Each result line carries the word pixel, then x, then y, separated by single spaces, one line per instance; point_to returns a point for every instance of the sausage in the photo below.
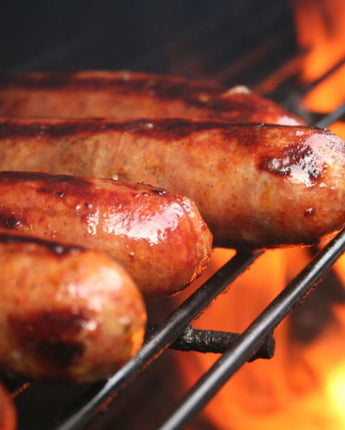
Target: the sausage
pixel 127 94
pixel 68 313
pixel 8 414
pixel 256 185
pixel 159 238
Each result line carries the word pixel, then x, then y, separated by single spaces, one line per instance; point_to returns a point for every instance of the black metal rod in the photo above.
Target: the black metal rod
pixel 296 96
pixel 332 116
pixel 309 87
pixel 214 341
pixel 165 335
pixel 263 325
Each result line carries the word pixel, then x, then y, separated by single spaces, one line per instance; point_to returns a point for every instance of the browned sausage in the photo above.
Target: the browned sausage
pixel 8 414
pixel 159 238
pixel 67 313
pixel 255 185
pixel 132 95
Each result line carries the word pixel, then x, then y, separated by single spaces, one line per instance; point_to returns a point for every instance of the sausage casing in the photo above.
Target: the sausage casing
pixel 159 238
pixel 127 94
pixel 255 185
pixel 67 313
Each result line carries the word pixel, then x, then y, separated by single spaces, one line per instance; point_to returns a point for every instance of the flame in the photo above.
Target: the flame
pixel 303 385
pixel 321 33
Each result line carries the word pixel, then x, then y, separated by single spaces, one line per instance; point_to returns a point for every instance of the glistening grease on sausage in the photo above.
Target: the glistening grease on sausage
pixel 256 185
pixel 159 238
pixel 67 313
pixel 126 94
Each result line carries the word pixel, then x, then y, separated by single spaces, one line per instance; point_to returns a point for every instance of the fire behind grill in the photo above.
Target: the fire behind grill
pixel 193 42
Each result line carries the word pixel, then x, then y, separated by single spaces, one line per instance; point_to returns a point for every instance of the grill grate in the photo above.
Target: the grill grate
pixel 254 335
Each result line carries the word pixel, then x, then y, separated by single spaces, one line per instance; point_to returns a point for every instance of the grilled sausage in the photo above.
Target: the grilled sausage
pixel 8 415
pixel 255 185
pixel 132 95
pixel 159 238
pixel 67 313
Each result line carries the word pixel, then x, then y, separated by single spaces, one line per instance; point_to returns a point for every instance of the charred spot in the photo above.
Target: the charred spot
pixel 8 176
pixel 164 88
pixel 46 128
pixel 167 128
pixel 143 189
pixel 54 80
pixel 55 323
pixel 10 128
pixel 10 221
pixel 237 107
pixel 54 247
pixel 59 249
pixel 202 96
pixel 50 335
pixel 297 160
pixel 152 128
pixel 205 97
pixel 60 354
pixel 178 128
pixel 160 192
pixel 58 193
pixel 69 179
pixel 246 135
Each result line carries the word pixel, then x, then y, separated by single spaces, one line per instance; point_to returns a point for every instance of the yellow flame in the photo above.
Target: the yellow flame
pixel 335 392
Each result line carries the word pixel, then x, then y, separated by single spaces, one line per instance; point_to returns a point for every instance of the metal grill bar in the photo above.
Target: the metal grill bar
pixel 294 99
pixel 332 117
pixel 217 342
pixel 309 87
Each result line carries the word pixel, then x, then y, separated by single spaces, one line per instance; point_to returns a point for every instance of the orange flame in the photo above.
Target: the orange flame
pixel 304 383
pixel 321 32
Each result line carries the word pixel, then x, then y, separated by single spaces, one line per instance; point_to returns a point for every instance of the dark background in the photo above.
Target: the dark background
pixel 195 38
